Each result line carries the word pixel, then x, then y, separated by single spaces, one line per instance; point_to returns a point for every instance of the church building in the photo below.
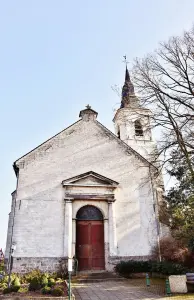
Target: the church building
pixel 87 193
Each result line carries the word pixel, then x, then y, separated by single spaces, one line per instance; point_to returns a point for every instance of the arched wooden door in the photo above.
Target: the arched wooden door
pixel 90 239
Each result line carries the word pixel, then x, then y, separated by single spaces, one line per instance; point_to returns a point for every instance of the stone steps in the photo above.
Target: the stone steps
pixel 83 277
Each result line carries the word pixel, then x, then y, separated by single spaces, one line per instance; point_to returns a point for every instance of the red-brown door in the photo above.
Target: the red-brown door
pixel 90 245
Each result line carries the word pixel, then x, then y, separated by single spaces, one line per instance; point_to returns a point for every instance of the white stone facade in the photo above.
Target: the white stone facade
pixel 47 199
pixel 124 123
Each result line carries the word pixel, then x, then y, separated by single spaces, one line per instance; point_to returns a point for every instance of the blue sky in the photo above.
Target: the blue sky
pixel 57 56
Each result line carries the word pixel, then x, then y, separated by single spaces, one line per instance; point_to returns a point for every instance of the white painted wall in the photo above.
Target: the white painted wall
pixel 124 122
pixel 85 146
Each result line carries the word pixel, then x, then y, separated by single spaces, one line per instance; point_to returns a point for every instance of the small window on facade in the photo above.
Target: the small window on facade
pixel 118 134
pixel 138 128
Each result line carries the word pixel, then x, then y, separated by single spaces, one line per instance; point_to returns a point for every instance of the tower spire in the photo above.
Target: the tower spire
pixel 128 88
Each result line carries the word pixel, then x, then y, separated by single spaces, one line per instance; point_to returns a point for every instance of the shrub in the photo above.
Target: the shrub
pixel 23 290
pixel 46 290
pixel 59 280
pixel 171 250
pixel 7 290
pixel 189 261
pixel 127 267
pixel 15 286
pixel 57 292
pixel 51 282
pixel 2 266
pixel 33 274
pixel 5 279
pixel 155 267
pixel 43 281
pixel 53 275
pixel 3 285
pixel 35 284
pixel 13 276
pixel 169 268
pixel 15 289
pixel 16 282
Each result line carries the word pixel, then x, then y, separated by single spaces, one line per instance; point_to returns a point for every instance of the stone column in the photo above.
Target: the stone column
pixel 68 229
pixel 106 243
pixel 74 237
pixel 112 229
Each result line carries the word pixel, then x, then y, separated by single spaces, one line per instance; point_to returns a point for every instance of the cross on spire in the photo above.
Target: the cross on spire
pixel 125 60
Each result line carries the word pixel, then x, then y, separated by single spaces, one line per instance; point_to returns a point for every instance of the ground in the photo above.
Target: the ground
pixel 124 290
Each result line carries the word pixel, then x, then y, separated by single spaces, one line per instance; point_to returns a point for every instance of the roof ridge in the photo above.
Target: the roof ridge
pixel 124 144
pixel 98 123
pixel 14 164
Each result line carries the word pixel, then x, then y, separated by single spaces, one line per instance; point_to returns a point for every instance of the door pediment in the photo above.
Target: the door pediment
pixel 90 179
pixel 89 185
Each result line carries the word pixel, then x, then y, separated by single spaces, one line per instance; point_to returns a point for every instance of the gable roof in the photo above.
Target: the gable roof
pixel 14 164
pixel 127 147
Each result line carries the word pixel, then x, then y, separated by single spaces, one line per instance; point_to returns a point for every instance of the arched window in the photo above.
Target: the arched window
pixel 89 212
pixel 138 128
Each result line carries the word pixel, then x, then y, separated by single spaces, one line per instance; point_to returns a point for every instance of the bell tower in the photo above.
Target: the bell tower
pixel 132 121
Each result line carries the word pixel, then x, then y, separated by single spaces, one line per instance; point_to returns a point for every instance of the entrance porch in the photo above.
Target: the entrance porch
pixel 90 223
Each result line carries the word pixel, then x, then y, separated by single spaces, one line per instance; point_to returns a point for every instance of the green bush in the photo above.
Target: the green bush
pixel 168 268
pixel 126 268
pixel 27 278
pixel 16 282
pixel 3 285
pixel 53 275
pixel 5 279
pixel 43 280
pixel 15 286
pixel 7 290
pixel 57 292
pixel 46 290
pixel 35 284
pixel 51 282
pixel 15 289
pixel 23 290
pixel 2 266
pixel 59 280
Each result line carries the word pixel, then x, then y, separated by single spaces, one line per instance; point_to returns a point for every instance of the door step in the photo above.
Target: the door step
pixel 83 277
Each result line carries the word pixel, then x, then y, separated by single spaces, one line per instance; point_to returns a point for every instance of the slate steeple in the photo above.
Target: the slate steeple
pixel 128 95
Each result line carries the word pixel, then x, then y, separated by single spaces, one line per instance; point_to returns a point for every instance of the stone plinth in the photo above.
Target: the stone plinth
pixel 178 284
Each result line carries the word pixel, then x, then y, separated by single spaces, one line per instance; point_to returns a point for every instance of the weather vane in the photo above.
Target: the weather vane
pixel 125 60
pixel 88 106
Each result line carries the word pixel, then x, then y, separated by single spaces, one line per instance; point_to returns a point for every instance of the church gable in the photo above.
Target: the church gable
pixel 83 135
pixel 46 147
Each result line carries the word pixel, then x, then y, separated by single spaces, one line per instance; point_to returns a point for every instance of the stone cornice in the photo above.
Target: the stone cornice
pixel 100 197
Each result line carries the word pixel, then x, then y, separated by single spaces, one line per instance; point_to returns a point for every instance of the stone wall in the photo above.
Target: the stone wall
pixel 54 264
pixel 10 225
pixel 44 264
